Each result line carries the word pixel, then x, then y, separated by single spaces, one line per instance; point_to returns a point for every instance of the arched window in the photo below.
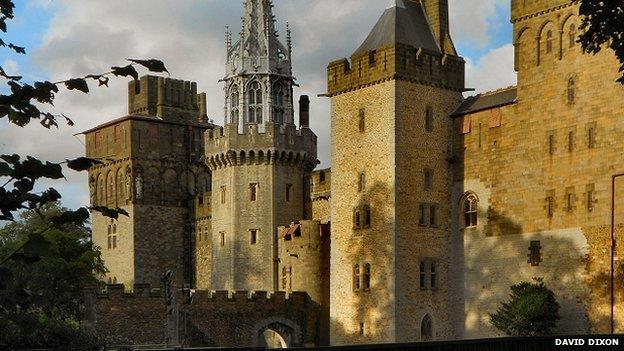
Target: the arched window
pixel 572 35
pixel 549 41
pixel 471 211
pixel 426 329
pixel 571 90
pixel 255 103
pixel 234 102
pixel 278 103
pixel 367 276
pixel 356 277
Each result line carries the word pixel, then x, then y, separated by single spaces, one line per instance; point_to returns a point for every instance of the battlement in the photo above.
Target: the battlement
pixel 523 9
pixel 396 62
pixel 145 291
pixel 167 98
pixel 278 144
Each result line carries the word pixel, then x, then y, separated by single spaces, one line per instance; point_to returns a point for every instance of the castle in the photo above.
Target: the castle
pixel 434 206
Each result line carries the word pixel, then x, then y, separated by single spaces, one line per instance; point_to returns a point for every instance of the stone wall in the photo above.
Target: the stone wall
pixel 319 205
pixel 221 318
pixel 541 170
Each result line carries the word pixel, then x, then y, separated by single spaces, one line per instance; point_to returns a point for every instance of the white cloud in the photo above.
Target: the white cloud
pixel 492 71
pixel 90 36
pixel 11 67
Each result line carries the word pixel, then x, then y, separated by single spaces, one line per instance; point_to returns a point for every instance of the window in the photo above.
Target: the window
pixel 361 328
pixel 550 205
pixel 428 179
pixel 571 90
pixel 367 276
pixel 429 119
pixel 322 177
pixel 591 137
pixel 433 215
pixel 278 103
pixel 551 144
pixel 222 238
pixel 423 275
pixel 200 200
pixel 362 182
pixel 372 57
pixel 535 255
pixel 367 217
pixel 572 36
pixel 255 103
pixel 223 194
pixel 356 277
pixel 362 120
pixel 288 191
pixel 471 211
pixel 570 199
pixel 253 236
pixel 426 328
pixel 253 192
pixel 432 277
pixel 422 209
pixel 549 42
pixel 234 103
pixel 112 236
pixel 591 199
pixel 357 220
pixel 570 141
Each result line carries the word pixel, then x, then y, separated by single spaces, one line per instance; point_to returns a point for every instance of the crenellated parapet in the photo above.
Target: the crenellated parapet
pixel 277 145
pixel 524 9
pixel 401 62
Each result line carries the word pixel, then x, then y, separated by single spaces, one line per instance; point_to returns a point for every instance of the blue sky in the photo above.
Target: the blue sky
pixel 66 38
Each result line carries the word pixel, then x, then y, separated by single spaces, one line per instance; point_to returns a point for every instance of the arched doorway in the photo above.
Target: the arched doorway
pixel 426 328
pixel 276 333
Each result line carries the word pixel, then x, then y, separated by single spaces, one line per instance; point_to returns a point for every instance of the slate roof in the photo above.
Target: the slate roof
pixel 486 101
pixel 403 22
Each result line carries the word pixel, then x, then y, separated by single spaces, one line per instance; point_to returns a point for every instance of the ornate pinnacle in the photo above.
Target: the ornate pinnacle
pixel 289 40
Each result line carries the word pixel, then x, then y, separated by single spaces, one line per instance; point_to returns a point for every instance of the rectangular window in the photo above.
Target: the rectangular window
pixel 551 144
pixel 422 215
pixel 428 179
pixel 367 217
pixel 223 194
pixel 357 220
pixel 570 199
pixel 423 275
pixel 362 120
pixel 110 242
pixel 288 191
pixel 222 238
pixel 550 205
pixel 253 192
pixel 253 236
pixel 433 276
pixel 361 182
pixel 535 254
pixel 361 328
pixel 114 241
pixel 570 141
pixel 429 119
pixel 433 215
pixel 372 59
pixel 590 190
pixel 356 277
pixel 591 137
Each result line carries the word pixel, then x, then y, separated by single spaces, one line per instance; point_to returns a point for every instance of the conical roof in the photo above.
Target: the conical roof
pixel 403 22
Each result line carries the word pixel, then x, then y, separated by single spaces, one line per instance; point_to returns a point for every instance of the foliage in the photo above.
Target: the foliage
pixel 40 300
pixel 46 258
pixel 603 24
pixel 532 310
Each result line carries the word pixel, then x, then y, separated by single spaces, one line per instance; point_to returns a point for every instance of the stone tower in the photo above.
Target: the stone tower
pixel 260 161
pixel 152 170
pixel 391 177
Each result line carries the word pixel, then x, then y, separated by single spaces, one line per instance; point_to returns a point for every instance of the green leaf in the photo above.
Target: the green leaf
pixel 18 49
pixel 110 212
pixel 152 65
pixel 125 72
pixel 77 84
pixel 50 195
pixel 5 170
pixel 82 164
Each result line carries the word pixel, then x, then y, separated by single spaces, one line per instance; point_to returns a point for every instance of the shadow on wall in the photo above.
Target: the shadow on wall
pixel 369 309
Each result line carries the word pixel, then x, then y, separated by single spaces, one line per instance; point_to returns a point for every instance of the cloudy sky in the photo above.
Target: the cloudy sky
pixel 68 38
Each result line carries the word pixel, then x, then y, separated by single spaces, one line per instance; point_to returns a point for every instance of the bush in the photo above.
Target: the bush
pixel 532 310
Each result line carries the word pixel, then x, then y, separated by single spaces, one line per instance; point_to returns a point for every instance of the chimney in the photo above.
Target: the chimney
pixel 203 108
pixel 304 111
